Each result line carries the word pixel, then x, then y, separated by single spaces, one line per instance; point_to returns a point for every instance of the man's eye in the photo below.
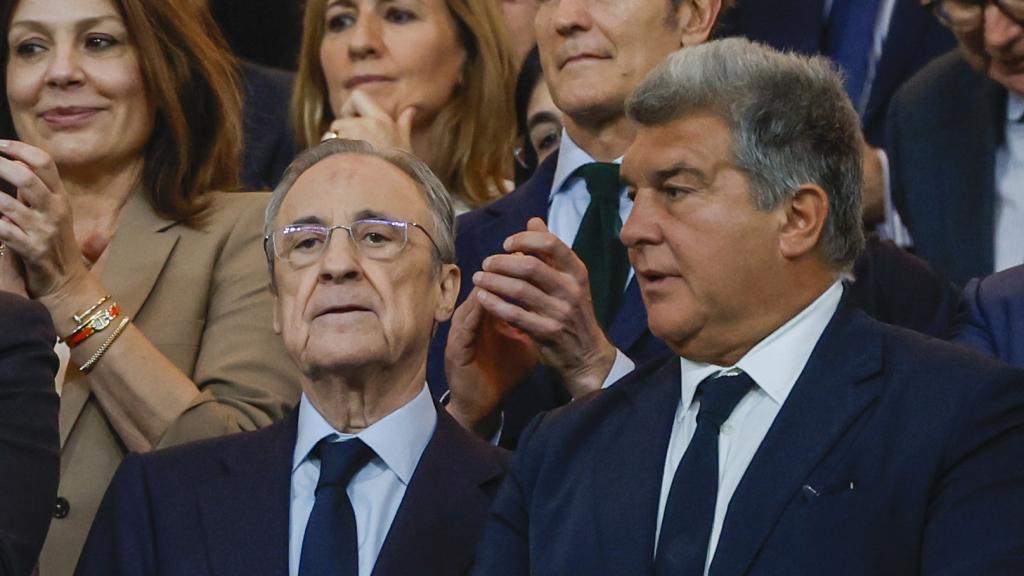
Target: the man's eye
pixel 675 193
pixel 307 244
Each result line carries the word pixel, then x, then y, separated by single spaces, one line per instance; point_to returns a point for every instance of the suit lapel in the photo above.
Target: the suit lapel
pixel 628 471
pixel 244 513
pixel 832 391
pixel 444 507
pixel 137 254
pixel 531 202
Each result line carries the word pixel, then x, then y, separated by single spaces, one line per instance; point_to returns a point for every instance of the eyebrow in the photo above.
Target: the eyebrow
pixel 308 220
pixel 38 25
pixel 541 118
pixel 660 176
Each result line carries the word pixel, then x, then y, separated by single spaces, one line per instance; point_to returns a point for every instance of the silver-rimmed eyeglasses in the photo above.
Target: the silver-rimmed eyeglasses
pixel 375 238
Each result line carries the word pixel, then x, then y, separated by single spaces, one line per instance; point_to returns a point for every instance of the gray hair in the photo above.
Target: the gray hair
pixel 437 197
pixel 791 124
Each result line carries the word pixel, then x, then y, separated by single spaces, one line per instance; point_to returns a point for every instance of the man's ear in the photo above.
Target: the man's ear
pixel 449 278
pixel 803 221
pixel 696 19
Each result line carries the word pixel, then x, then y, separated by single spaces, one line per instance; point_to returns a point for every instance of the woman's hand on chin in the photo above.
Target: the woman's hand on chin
pixel 361 118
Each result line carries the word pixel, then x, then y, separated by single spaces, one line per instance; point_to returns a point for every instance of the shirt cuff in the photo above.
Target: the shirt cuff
pixel 622 366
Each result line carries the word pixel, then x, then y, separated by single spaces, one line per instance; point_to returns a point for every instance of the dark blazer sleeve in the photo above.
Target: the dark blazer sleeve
pixel 504 549
pixel 121 540
pixel 29 441
pixel 991 317
pixel 976 508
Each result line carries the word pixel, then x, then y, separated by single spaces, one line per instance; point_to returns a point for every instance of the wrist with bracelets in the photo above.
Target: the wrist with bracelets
pixel 94 320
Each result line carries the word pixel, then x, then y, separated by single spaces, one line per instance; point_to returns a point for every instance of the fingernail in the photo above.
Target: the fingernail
pixel 477 276
pixel 507 243
pixel 5 143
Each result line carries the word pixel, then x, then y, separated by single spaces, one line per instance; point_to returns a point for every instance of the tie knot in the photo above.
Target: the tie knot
pixel 719 395
pixel 602 179
pixel 339 461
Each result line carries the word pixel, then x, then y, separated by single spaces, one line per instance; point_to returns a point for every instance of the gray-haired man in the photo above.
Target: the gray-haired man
pixel 790 434
pixel 367 475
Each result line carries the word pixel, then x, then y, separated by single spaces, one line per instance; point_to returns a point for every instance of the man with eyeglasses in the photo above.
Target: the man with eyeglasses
pixel 956 143
pixel 368 475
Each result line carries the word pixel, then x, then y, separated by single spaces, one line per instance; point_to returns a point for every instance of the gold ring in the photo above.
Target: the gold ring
pixel 329 135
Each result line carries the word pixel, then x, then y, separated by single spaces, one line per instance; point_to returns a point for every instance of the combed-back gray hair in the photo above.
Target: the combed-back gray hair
pixel 791 124
pixel 437 197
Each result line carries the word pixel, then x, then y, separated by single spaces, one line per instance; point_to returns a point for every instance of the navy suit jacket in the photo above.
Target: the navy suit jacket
pixel 991 317
pixel 915 37
pixel 29 443
pixel 928 435
pixel 944 128
pixel 481 234
pixel 221 507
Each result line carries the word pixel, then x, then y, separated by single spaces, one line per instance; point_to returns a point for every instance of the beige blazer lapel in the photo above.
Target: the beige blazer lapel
pixel 138 253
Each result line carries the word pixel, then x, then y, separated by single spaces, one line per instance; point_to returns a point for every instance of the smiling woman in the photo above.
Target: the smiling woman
pixel 120 121
pixel 434 77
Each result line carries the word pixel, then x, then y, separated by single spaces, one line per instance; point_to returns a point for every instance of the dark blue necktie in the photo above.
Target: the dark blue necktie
pixel 690 509
pixel 851 32
pixel 329 547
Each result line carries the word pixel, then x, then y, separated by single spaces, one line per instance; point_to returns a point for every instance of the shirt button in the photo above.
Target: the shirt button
pixel 61 508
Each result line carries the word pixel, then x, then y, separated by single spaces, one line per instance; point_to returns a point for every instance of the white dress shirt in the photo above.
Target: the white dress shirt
pixel 1008 244
pixel 376 491
pixel 775 363
pixel 567 204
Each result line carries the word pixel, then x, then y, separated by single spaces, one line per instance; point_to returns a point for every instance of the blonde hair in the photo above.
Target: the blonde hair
pixel 473 135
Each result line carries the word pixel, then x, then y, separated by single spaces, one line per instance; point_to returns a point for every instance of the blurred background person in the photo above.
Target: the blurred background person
pixel 153 280
pixel 434 77
pixel 538 120
pixel 28 431
pixel 956 143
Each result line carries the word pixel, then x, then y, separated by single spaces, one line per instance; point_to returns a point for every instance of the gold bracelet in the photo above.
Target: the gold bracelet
pixel 97 323
pixel 80 317
pixel 91 362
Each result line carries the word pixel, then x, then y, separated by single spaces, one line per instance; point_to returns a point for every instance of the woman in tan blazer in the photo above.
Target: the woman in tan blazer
pixel 126 114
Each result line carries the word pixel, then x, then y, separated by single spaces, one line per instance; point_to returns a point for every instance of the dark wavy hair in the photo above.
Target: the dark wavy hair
pixel 191 80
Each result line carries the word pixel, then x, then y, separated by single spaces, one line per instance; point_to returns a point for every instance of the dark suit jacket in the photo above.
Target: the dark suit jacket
pixel 481 234
pixel 892 285
pixel 915 37
pixel 269 143
pixel 944 128
pixel 929 435
pixel 991 317
pixel 29 441
pixel 222 507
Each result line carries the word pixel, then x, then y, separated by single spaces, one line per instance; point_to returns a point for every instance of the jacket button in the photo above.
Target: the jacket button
pixel 61 507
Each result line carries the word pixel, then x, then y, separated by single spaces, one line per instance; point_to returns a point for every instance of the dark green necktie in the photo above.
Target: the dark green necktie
pixel 597 243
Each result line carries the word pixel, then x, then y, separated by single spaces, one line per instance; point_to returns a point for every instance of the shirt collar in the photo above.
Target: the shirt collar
pixel 1014 108
pixel 775 362
pixel 570 158
pixel 399 438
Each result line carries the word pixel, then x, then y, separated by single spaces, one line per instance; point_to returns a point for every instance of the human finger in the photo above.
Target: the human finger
pixel 37 160
pixel 540 328
pixel 361 105
pixel 522 292
pixel 532 269
pixel 31 189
